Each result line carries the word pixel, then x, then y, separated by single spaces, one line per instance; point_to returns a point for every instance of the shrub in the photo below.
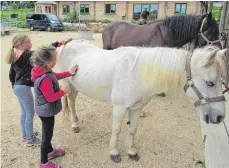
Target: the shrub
pixel 21 24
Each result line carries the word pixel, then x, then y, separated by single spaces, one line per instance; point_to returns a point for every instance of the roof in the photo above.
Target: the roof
pixel 46 2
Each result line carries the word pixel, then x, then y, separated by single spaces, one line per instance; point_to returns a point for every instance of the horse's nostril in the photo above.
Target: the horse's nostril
pixel 207 119
pixel 219 118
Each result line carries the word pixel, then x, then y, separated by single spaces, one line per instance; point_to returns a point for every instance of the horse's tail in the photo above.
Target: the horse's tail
pixel 107 36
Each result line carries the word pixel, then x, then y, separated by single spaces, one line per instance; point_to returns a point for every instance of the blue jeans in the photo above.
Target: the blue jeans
pixel 25 98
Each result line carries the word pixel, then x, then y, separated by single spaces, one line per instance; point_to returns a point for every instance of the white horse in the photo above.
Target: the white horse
pixel 128 77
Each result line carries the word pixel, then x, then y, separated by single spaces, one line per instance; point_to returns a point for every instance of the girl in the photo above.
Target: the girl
pixel 48 99
pixel 20 74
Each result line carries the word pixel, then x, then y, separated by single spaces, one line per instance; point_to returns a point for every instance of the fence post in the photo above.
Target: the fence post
pixel 223 16
pixel 227 61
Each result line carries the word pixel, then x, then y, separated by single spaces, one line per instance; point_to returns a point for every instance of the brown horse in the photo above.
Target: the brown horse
pixel 174 31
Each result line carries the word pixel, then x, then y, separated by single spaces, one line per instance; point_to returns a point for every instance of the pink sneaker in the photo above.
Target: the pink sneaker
pixel 49 165
pixel 56 153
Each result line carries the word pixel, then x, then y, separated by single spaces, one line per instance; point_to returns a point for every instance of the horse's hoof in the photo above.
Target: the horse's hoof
pixel 115 158
pixel 162 94
pixel 76 129
pixel 135 157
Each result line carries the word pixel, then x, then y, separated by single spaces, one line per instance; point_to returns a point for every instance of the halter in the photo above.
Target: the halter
pixel 204 37
pixel 202 100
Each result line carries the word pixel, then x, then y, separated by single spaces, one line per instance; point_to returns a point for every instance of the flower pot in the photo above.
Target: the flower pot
pixel 86 34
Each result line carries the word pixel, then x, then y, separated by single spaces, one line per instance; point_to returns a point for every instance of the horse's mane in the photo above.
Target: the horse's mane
pixel 158 67
pixel 184 27
pixel 181 29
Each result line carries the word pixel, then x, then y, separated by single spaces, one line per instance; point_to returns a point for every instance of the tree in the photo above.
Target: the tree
pixel 73 16
pixel 14 5
pixel 26 4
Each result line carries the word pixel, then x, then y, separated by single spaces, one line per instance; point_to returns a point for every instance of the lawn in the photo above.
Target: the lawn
pixel 21 13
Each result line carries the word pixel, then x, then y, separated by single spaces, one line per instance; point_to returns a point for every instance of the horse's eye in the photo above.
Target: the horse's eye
pixel 210 83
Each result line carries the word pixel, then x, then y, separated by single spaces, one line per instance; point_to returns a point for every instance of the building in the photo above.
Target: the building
pixel 118 10
pixel 45 7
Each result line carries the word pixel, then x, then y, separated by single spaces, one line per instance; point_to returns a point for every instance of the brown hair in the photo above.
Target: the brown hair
pixel 16 42
pixel 43 55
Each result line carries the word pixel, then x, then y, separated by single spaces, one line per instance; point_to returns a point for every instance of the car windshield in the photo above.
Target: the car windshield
pixel 52 17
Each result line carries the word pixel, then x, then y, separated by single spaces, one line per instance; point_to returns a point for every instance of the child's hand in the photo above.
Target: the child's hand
pixel 66 91
pixel 73 70
pixel 63 42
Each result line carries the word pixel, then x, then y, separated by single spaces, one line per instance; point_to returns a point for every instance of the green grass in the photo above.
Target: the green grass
pixel 21 13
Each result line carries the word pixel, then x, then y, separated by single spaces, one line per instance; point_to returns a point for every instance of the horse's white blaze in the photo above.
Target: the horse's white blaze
pixel 128 77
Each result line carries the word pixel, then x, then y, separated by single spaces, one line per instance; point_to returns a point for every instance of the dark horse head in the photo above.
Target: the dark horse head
pixel 210 31
pixel 203 29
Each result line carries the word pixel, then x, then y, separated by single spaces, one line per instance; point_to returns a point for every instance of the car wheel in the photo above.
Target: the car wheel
pixel 31 28
pixel 49 28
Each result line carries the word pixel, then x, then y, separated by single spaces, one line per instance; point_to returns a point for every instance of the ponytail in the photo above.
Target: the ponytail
pixel 16 42
pixel 9 56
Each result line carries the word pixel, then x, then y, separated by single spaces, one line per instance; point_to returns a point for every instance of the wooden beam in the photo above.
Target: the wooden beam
pixel 223 16
pixel 227 15
pixel 216 142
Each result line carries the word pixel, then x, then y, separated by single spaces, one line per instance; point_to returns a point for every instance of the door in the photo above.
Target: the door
pixel 47 9
pixel 44 21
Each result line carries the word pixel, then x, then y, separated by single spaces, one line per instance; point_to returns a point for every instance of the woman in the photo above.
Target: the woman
pixel 143 18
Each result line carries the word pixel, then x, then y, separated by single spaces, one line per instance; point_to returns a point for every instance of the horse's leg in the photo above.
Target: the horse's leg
pixel 118 115
pixel 134 116
pixel 71 100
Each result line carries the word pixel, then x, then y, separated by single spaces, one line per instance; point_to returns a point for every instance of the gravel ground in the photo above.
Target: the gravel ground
pixel 168 135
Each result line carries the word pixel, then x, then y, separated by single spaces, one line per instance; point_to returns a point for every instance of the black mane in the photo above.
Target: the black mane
pixel 182 29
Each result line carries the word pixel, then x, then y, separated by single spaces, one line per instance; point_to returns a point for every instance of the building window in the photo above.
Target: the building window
pixel 39 9
pixel 47 9
pixel 84 9
pixel 37 17
pixel 180 9
pixel 66 9
pixel 110 8
pixel 151 8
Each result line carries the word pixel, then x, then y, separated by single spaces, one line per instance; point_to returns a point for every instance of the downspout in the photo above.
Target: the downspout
pixel 94 10
pixel 57 8
pixel 197 7
pixel 127 3
pixel 166 8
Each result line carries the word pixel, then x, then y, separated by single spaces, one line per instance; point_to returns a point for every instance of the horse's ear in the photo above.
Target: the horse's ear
pixel 209 16
pixel 208 60
pixel 221 53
